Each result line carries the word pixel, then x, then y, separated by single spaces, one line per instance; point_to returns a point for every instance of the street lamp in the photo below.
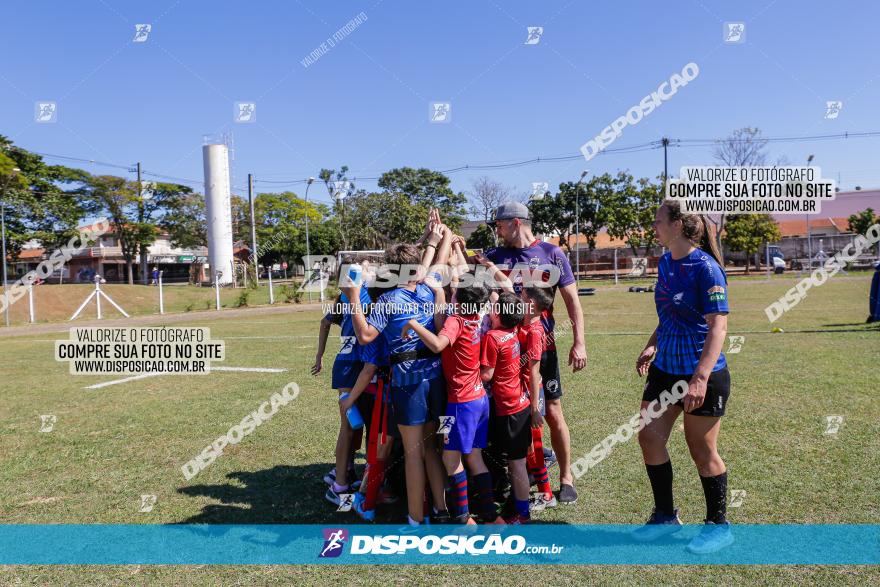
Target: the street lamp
pixel 14 172
pixel 577 224
pixel 309 183
pixel 809 232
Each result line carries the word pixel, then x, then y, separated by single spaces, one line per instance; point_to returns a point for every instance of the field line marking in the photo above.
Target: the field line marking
pixel 126 380
pixel 249 369
pixel 145 375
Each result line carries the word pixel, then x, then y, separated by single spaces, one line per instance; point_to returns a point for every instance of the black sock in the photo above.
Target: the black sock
pixel 715 489
pixel 661 484
pixel 483 485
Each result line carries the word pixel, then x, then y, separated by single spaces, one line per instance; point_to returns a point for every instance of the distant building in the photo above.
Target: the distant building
pixel 178 265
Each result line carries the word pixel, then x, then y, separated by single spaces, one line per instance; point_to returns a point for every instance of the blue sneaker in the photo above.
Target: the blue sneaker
pixel 366 515
pixel 549 458
pixel 658 525
pixel 712 538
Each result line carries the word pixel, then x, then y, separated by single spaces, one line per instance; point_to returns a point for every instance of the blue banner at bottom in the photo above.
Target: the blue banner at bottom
pixel 362 544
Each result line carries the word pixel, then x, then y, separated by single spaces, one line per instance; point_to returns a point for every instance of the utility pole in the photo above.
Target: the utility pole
pixel 254 229
pixel 141 212
pixel 809 231
pixel 577 226
pixel 665 142
pixel 306 268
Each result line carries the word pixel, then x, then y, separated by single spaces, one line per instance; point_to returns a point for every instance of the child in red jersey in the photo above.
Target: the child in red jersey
pixel 532 345
pixel 467 410
pixel 511 425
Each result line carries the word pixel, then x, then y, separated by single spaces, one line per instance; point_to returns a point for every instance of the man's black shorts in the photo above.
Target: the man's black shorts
pixel 550 375
pixel 512 434
pixel 717 390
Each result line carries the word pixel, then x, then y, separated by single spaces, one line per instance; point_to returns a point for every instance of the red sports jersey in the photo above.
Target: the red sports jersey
pixel 461 359
pixel 532 346
pixel 501 351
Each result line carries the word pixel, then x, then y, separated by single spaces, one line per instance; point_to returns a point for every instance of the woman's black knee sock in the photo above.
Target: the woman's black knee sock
pixel 661 484
pixel 715 489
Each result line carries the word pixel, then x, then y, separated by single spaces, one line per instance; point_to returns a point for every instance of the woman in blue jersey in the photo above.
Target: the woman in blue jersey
pixel 692 307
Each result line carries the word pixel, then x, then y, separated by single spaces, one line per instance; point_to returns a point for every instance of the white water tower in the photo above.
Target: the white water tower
pixel 218 210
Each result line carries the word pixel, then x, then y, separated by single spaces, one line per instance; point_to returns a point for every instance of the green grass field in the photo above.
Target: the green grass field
pixel 111 445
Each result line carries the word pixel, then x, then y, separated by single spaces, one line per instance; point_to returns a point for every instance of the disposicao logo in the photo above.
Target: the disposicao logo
pixel 334 541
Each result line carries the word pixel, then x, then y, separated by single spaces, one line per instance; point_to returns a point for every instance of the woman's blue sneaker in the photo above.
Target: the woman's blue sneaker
pixel 712 538
pixel 658 525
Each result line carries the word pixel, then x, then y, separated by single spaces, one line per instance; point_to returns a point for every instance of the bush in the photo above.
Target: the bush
pixel 292 294
pixel 242 300
pixel 189 307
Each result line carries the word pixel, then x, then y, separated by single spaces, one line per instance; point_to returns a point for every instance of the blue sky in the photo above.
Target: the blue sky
pixel 365 102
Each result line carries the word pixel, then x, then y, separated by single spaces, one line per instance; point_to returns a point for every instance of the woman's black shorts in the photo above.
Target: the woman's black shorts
pixel 717 390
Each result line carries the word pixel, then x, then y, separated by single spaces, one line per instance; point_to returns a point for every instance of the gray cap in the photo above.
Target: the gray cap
pixel 510 210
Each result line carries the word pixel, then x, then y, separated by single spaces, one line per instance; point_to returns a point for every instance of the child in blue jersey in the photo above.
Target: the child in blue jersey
pixel 346 368
pixel 418 392
pixel 370 387
pixel 692 307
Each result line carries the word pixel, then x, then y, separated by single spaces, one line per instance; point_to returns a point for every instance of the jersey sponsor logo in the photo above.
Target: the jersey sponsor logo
pixel 346 344
pixel 534 262
pixel 507 337
pixel 551 386
pixel 716 293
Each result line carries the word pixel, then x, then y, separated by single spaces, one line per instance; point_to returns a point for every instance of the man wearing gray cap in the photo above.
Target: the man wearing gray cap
pixel 524 255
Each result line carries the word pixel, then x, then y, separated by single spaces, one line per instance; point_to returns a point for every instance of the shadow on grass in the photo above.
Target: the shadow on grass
pixel 283 494
pixel 866 325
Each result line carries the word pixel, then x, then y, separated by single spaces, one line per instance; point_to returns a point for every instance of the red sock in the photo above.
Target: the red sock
pixel 535 462
pixel 375 476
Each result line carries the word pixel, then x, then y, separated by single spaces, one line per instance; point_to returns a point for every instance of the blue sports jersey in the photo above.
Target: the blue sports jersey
pixel 349 349
pixel 376 352
pixel 687 289
pixel 390 313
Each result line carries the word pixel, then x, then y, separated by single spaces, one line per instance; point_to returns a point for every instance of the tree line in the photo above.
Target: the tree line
pixel 48 202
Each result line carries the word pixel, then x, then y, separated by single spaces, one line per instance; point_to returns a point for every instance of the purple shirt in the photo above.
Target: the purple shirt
pixel 539 261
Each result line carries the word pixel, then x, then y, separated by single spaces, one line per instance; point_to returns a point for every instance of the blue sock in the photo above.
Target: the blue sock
pixel 522 507
pixel 457 497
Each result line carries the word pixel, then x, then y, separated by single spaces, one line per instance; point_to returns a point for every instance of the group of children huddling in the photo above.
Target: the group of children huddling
pixel 457 383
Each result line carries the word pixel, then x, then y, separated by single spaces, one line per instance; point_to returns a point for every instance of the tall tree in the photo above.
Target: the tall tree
pixel 42 203
pixel 281 219
pixel 376 219
pixel 486 195
pixel 627 209
pixel 574 206
pixel 745 147
pixel 118 200
pixel 746 233
pixel 187 225
pixel 339 188
pixel 426 188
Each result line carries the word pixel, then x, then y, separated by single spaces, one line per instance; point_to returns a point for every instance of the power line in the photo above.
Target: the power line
pixel 648 146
